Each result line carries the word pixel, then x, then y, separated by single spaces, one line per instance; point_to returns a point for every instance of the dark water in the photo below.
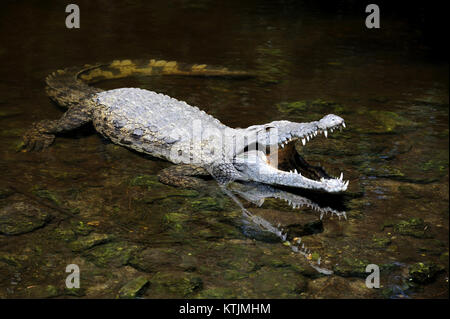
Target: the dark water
pixel 85 201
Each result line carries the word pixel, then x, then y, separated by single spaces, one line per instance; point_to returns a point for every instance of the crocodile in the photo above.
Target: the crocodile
pixel 164 127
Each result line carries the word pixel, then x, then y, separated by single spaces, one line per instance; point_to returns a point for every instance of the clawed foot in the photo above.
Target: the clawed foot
pixel 36 139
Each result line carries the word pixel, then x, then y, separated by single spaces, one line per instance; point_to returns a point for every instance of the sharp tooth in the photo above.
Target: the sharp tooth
pixel 331 130
pixel 307 137
pixel 303 141
pixel 346 183
pixel 326 133
pixel 282 145
pixel 342 176
pixel 295 170
pixel 343 124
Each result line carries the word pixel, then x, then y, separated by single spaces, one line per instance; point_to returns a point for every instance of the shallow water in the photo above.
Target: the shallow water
pixel 101 207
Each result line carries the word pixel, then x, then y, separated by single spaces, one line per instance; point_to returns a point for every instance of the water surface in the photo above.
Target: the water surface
pixel 101 207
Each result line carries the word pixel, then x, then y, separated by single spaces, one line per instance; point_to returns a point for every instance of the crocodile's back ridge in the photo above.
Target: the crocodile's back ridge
pixel 148 108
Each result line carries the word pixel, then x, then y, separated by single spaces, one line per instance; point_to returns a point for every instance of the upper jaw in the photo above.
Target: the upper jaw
pixel 307 131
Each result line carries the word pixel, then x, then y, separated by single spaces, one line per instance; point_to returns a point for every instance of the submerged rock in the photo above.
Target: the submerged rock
pixel 175 220
pixel 279 282
pixel 414 227
pixel 113 254
pixel 21 217
pixel 388 122
pixel 381 242
pixel 154 259
pixel 13 260
pixel 90 241
pixel 335 287
pixel 156 191
pixel 64 234
pixel 46 194
pixel 208 203
pixel 351 267
pixel 48 291
pixel 80 228
pixel 133 288
pixel 424 272
pixel 174 284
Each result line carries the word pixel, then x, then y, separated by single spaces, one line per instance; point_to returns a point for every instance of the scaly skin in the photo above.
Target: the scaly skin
pixel 164 127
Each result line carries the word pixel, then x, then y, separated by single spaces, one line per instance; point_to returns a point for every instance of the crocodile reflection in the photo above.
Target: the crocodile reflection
pixel 256 193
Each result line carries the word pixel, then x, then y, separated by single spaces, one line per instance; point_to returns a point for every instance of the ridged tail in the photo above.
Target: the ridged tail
pixel 70 86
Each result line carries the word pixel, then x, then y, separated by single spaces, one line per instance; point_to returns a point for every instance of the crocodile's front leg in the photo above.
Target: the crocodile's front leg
pixel 183 175
pixel 42 134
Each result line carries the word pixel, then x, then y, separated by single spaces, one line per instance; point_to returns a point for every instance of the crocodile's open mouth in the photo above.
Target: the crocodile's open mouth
pixel 287 160
pixel 278 163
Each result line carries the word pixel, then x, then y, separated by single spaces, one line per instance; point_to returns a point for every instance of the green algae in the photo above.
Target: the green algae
pixel 13 259
pixel 145 180
pixel 175 220
pixel 388 122
pixel 21 217
pixel 424 272
pixel 46 194
pixel 174 284
pixel 113 254
pixel 414 227
pixel 65 234
pixel 75 292
pixel 381 242
pixel 133 288
pixel 42 291
pixel 351 267
pixel 90 241
pixel 81 228
pixel 438 165
pixel 209 204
